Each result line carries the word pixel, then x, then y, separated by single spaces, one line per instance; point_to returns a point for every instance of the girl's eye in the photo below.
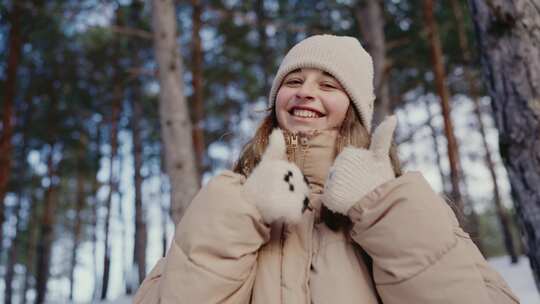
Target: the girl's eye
pixel 293 81
pixel 328 85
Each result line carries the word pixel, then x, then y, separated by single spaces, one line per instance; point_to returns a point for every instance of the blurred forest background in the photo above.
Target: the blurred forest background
pixel 115 112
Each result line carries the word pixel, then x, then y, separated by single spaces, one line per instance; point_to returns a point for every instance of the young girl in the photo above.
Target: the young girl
pixel 316 209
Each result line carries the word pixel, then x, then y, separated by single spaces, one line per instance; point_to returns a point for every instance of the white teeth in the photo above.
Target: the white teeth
pixel 305 113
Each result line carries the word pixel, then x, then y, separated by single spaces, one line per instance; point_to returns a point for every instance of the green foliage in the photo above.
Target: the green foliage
pixel 491 233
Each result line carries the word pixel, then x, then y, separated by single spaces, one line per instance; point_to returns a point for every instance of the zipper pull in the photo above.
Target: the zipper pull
pixel 292 142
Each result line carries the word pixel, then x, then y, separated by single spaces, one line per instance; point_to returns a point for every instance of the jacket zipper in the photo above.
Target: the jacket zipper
pixel 292 143
pixel 291 140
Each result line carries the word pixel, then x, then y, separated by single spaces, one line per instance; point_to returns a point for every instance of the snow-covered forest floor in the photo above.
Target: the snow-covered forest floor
pixel 519 277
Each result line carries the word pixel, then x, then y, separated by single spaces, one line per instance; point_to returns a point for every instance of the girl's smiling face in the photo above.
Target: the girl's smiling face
pixel 310 99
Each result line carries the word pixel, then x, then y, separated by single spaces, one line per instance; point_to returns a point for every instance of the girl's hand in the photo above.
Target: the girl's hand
pixel 358 171
pixel 277 187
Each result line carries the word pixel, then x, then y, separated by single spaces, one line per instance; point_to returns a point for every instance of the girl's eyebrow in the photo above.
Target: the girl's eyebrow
pixel 293 72
pixel 300 70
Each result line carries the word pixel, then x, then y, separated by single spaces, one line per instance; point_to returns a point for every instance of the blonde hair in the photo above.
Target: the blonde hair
pixel 351 133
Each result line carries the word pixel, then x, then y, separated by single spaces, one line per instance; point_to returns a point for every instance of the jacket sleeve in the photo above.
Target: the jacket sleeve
pixel 213 257
pixel 419 252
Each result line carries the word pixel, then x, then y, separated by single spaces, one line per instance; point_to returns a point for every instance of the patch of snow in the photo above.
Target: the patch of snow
pixel 121 300
pixel 519 277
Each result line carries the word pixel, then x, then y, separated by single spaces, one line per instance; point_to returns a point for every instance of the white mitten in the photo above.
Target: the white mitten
pixel 358 171
pixel 277 187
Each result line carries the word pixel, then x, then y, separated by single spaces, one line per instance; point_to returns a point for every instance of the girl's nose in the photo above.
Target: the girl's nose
pixel 306 91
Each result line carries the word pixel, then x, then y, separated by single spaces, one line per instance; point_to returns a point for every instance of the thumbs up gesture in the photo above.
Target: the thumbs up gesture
pixel 276 186
pixel 358 171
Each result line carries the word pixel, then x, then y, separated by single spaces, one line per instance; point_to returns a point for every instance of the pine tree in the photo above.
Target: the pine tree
pixel 511 68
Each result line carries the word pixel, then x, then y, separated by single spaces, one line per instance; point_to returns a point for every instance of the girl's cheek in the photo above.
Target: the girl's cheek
pixel 281 99
pixel 341 113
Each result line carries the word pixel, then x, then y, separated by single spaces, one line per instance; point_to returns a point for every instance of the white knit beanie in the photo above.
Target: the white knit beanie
pixel 341 56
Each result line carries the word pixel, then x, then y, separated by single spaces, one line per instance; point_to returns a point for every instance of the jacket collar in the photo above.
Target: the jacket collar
pixel 313 152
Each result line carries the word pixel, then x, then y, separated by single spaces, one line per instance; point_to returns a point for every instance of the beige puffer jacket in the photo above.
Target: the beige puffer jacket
pixel 224 253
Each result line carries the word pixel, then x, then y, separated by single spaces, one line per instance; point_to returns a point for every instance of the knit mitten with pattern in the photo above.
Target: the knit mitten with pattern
pixel 276 186
pixel 357 171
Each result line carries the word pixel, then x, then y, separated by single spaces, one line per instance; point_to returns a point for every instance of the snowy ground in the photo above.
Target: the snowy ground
pixel 121 300
pixel 519 277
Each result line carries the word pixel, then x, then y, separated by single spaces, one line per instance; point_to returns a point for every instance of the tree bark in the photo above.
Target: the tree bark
pixel 502 213
pixel 139 249
pixel 176 127
pixel 140 237
pixel 46 238
pixel 31 250
pixel 19 210
pixel 197 83
pixel 162 206
pixel 370 17
pixel 80 198
pixel 265 64
pixel 10 88
pixel 444 95
pixel 49 213
pixel 116 111
pixel 435 138
pixel 94 223
pixel 12 253
pixel 126 265
pixel 163 222
pixel 508 34
pixel 113 183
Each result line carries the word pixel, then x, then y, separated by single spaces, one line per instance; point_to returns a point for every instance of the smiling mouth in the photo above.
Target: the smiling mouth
pixel 305 113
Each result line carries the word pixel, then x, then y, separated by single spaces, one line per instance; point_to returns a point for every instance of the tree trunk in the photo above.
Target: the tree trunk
pixel 264 63
pixel 19 211
pixel 12 252
pixel 473 228
pixel 174 117
pixel 140 237
pixel 412 160
pixel 48 217
pixel 442 91
pixel 502 213
pixel 10 88
pixel 46 238
pixel 79 206
pixel 139 249
pixel 126 265
pixel 116 111
pixel 509 42
pixel 472 223
pixel 370 18
pixel 31 250
pixel 94 223
pixel 435 138
pixel 115 116
pixel 163 223
pixel 163 207
pixel 197 82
